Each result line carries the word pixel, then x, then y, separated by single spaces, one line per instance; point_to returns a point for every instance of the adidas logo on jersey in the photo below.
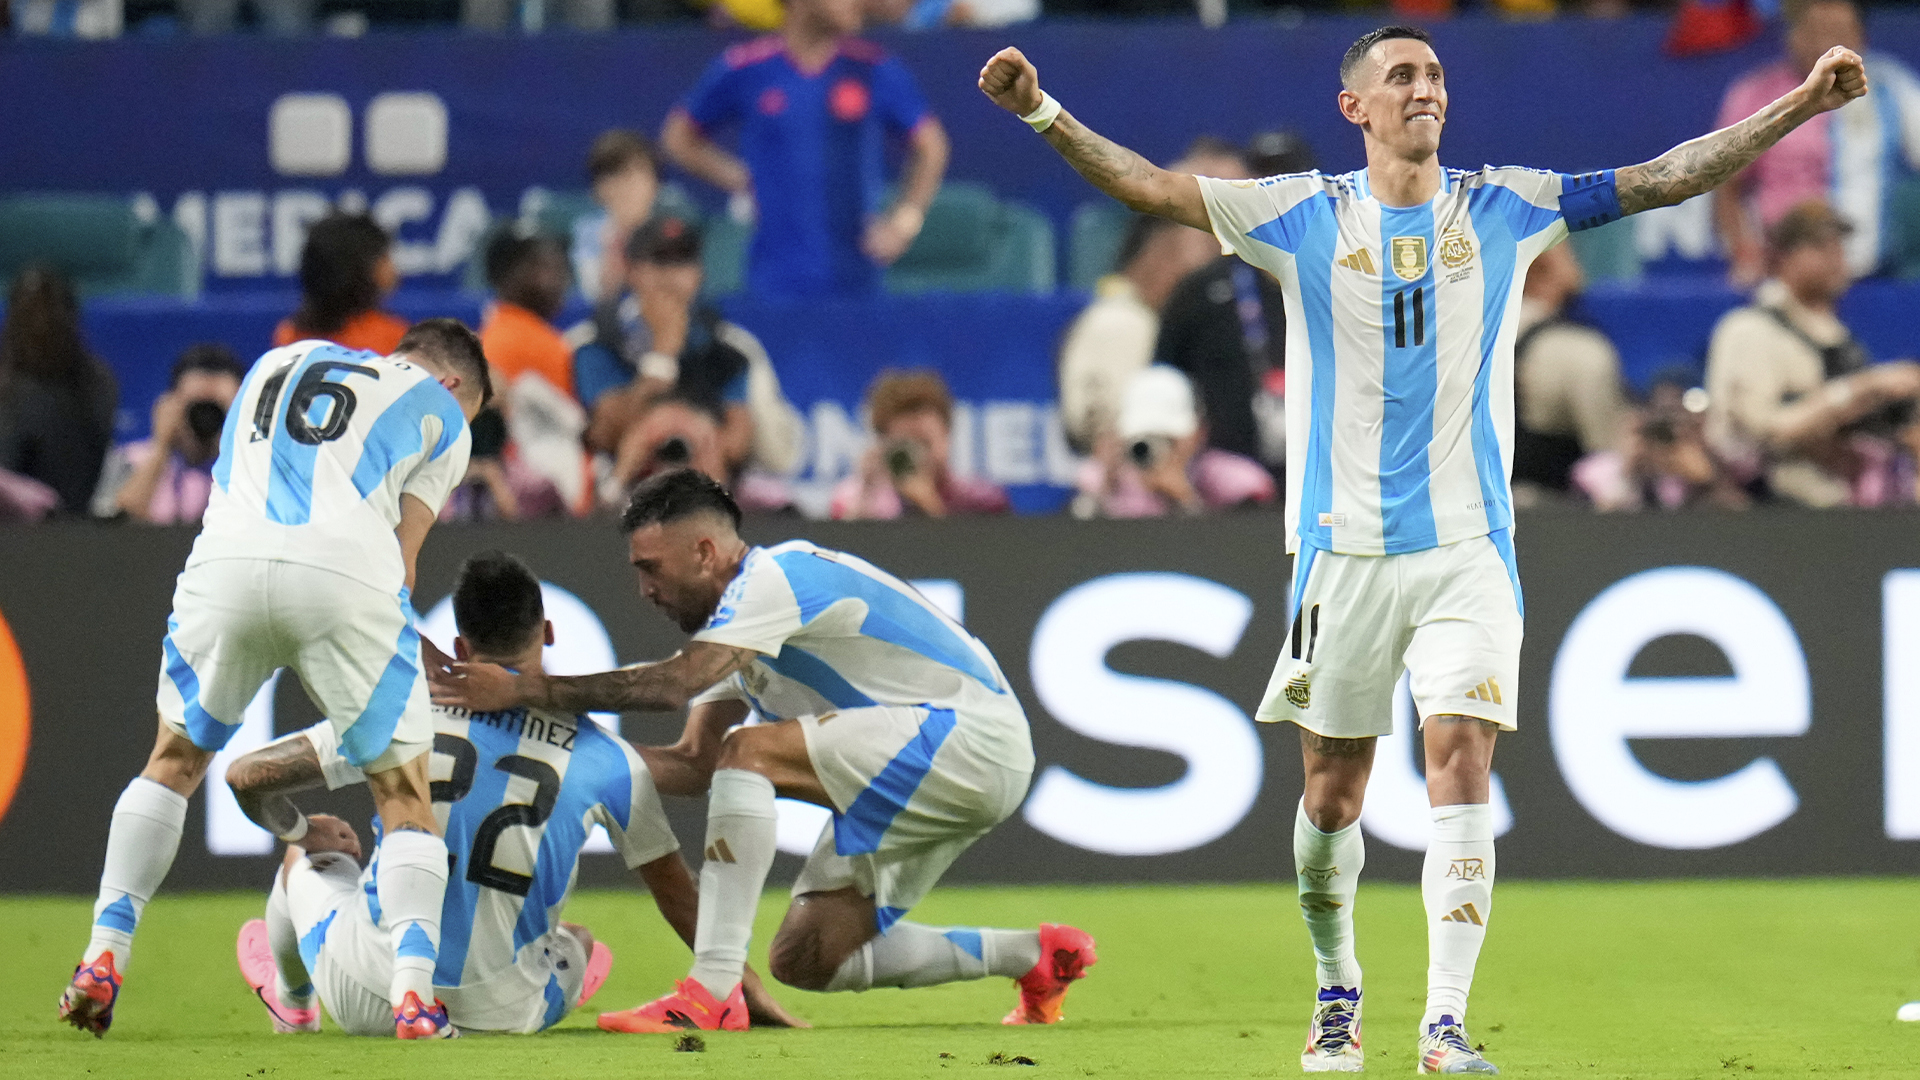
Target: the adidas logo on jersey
pixel 1488 691
pixel 1360 261
pixel 1465 913
pixel 718 851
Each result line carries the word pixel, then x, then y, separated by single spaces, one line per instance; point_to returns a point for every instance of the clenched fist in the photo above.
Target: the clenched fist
pixel 1009 79
pixel 1838 77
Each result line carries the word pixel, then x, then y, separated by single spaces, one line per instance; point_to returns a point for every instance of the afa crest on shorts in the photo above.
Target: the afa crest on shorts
pixel 1409 257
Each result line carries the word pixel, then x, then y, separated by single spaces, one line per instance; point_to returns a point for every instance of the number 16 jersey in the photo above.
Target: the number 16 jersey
pixel 317 450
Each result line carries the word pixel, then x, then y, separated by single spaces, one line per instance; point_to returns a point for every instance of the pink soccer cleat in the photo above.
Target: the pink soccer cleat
pixel 689 1008
pixel 1065 955
pixel 598 966
pixel 257 967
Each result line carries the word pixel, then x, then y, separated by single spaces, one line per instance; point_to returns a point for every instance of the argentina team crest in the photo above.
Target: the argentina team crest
pixel 1409 257
pixel 1456 250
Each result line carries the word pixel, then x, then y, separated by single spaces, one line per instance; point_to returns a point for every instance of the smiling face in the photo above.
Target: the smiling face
pixel 1398 97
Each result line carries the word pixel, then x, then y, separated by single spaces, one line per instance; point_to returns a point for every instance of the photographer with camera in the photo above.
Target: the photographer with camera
pixel 167 478
pixel 1794 400
pixel 1155 460
pixel 907 471
pixel 1661 457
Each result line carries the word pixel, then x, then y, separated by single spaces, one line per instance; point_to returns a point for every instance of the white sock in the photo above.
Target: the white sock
pixel 141 843
pixel 740 847
pixel 1457 885
pixel 1328 865
pixel 411 883
pixel 292 983
pixel 910 955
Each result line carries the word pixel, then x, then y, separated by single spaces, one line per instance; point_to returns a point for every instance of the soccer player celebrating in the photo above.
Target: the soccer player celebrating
pixel 332 467
pixel 1402 285
pixel 522 789
pixel 878 706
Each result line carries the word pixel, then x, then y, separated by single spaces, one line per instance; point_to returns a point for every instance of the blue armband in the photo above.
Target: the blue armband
pixel 1589 200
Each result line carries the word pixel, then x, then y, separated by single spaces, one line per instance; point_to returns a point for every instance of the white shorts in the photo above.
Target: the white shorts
pixel 1449 616
pixel 350 960
pixel 911 791
pixel 354 647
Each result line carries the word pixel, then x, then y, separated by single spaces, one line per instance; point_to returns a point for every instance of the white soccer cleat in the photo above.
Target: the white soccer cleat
pixel 1444 1049
pixel 1333 1038
pixel 1909 1012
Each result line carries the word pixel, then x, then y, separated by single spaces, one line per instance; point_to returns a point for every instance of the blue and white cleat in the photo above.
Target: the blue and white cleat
pixel 1444 1049
pixel 1333 1038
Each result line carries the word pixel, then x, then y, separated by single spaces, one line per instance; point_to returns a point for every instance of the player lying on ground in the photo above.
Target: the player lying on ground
pixel 1402 285
pixel 879 707
pixel 333 465
pixel 518 794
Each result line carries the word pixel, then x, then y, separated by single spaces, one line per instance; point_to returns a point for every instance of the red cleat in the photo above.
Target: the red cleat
pixel 1065 955
pixel 689 1008
pixel 87 1002
pixel 599 963
pixel 413 1020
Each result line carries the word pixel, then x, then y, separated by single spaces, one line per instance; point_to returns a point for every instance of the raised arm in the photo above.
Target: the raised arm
pixel 1700 165
pixel 663 686
pixel 1011 82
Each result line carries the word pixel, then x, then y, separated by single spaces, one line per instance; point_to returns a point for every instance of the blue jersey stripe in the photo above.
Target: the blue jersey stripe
pixel 1503 543
pixel 893 616
pixel 396 434
pixel 557 1004
pixel 859 830
pixel 1410 378
pixel 372 732
pixel 490 743
pixel 1315 267
pixel 203 729
pixel 596 773
pixel 815 674
pixel 1497 261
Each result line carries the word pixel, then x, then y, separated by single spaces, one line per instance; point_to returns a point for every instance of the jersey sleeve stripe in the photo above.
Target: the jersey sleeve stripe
pixel 1523 217
pixel 1315 269
pixel 398 433
pixel 815 674
pixel 892 616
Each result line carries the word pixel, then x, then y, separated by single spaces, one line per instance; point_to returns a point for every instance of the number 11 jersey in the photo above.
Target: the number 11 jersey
pixel 317 450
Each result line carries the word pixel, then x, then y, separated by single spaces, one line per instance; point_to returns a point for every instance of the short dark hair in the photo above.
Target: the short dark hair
pixel 616 150
pixel 667 497
pixel 450 344
pixel 1358 50
pixel 210 357
pixel 336 272
pixel 496 603
pixel 512 249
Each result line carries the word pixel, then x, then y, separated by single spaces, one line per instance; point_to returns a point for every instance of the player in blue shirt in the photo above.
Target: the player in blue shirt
pixel 1402 286
pixel 813 108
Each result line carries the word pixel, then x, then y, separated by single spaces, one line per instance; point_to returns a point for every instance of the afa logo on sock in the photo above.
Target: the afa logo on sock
pixel 15 722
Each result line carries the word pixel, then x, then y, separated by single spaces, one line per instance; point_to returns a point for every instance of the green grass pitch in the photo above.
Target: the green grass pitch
pixel 1717 979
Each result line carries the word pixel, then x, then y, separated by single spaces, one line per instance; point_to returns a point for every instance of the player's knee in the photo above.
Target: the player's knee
pixel 1331 811
pixel 798 960
pixel 746 748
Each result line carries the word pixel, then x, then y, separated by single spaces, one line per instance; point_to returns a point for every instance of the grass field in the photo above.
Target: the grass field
pixel 1578 980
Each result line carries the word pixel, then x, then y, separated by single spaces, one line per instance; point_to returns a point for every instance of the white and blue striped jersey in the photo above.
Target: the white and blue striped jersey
pixel 836 632
pixel 517 794
pixel 1400 330
pixel 317 450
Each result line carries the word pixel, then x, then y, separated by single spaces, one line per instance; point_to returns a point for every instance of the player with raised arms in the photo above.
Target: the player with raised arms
pixel 515 794
pixel 1402 285
pixel 333 465
pixel 875 704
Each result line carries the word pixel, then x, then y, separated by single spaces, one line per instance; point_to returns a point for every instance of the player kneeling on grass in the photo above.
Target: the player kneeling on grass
pixel 879 707
pixel 520 791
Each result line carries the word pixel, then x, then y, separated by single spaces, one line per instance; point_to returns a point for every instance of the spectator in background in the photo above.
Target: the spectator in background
pixel 624 172
pixel 56 398
pixel 346 271
pixel 936 14
pixel 814 108
pixel 1155 460
pixel 1849 158
pixel 166 478
pixel 1112 338
pixel 497 15
pixel 1663 459
pixel 1792 398
pixel 661 342
pixel 1569 400
pixel 1225 327
pixel 544 463
pixel 908 471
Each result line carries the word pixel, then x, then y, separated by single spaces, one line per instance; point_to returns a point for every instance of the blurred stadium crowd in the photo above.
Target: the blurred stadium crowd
pixel 1171 381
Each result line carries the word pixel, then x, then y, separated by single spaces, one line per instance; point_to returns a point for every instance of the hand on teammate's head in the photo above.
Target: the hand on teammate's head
pixel 326 833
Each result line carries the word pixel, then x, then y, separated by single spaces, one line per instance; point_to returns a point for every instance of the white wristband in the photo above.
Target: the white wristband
pixel 297 833
pixel 1042 118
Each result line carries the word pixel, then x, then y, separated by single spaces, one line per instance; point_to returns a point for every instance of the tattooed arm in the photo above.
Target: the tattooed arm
pixel 663 686
pixel 262 780
pixel 1011 81
pixel 1700 165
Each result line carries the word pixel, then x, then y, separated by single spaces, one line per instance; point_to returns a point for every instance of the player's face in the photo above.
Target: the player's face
pixel 837 18
pixel 1399 97
pixel 679 567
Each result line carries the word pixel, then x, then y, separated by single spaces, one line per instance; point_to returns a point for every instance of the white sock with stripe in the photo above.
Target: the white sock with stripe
pixel 740 846
pixel 1328 867
pixel 141 844
pixel 1457 884
pixel 910 955
pixel 292 983
pixel 410 882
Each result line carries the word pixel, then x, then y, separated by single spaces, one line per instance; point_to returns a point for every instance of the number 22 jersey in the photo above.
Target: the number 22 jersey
pixel 317 450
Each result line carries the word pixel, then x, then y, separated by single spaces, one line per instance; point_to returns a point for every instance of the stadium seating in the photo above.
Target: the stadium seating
pixel 1094 235
pixel 103 242
pixel 976 242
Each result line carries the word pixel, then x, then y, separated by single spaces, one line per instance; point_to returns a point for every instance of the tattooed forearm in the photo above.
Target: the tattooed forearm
pixel 1133 180
pixel 262 780
pixel 664 686
pixel 1700 165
